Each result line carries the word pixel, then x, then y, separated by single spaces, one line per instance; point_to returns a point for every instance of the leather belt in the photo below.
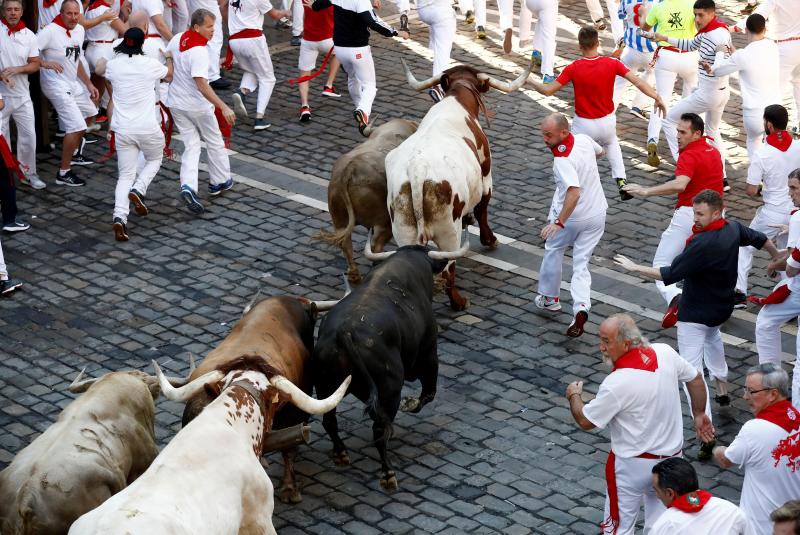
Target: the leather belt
pixel 659 457
pixel 787 39
pixel 101 42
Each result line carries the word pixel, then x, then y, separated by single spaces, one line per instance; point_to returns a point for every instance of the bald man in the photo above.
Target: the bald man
pixel 577 218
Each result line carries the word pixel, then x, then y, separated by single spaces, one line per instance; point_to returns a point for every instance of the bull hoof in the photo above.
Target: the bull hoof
pixel 290 495
pixel 389 481
pixel 490 242
pixel 410 405
pixel 354 277
pixel 341 458
pixel 467 220
pixel 460 306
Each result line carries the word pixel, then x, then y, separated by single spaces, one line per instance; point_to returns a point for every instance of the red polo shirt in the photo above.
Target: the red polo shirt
pixel 593 81
pixel 702 163
pixel 317 25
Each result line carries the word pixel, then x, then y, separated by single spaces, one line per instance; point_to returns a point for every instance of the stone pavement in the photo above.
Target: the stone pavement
pixel 497 451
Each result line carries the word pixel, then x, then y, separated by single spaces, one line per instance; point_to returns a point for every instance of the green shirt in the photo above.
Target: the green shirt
pixel 673 18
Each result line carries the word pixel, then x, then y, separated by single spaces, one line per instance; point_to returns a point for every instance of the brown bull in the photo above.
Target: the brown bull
pixel 357 191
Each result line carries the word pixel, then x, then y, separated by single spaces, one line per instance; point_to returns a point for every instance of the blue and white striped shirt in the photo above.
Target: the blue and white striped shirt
pixel 628 15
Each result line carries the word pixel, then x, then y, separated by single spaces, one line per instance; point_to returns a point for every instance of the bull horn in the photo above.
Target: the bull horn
pixel 368 129
pixel 77 386
pixel 186 391
pixel 375 256
pixel 306 403
pixel 452 255
pixel 507 87
pixel 347 288
pixel 180 381
pixel 416 84
pixel 322 306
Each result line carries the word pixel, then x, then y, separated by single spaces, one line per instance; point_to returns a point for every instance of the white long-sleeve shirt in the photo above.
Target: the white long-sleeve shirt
pixel 758 68
pixel 783 18
pixel 709 45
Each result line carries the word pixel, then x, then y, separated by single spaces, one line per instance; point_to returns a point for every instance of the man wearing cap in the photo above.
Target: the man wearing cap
pixel 133 76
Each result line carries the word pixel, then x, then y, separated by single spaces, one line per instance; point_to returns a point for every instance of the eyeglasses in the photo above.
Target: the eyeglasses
pixel 749 392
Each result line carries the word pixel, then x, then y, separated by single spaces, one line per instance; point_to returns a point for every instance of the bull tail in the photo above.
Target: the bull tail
pixel 373 407
pixel 338 237
pixel 417 200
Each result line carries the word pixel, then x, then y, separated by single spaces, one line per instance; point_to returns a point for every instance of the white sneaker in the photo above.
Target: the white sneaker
pixel 93 128
pixel 34 181
pixel 547 303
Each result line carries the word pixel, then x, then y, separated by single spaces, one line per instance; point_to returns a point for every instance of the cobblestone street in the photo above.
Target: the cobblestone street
pixel 497 450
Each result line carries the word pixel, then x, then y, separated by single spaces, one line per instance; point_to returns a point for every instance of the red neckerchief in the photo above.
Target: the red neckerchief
pixel 191 39
pixel 48 3
pixel 692 502
pixel 714 225
pixel 783 414
pixel 713 25
pixel 638 358
pixel 565 147
pixel 781 140
pixel 98 3
pixel 14 29
pixel 58 20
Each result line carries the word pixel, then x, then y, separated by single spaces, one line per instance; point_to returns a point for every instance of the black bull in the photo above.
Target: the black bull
pixel 383 333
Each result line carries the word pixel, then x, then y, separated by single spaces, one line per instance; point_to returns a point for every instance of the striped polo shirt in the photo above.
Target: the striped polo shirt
pixel 708 44
pixel 629 12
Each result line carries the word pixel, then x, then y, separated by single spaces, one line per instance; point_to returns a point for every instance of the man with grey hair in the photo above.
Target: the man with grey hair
pixel 640 404
pixel 786 518
pixel 766 447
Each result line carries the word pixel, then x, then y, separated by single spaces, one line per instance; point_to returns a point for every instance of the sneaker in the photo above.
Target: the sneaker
pixel 706 450
pixel 193 204
pixel 547 303
pixel 80 159
pixel 284 22
pixel 138 203
pixel 305 114
pixel 723 400
pixel 575 328
pixel 469 17
pixel 120 230
pixel 548 79
pixel 507 41
pixel 403 22
pixel 33 181
pixel 88 141
pixel 536 58
pixel 652 153
pixel 238 103
pixel 481 32
pixel 216 189
pixel 261 124
pixel 9 285
pixel 100 118
pixel 295 40
pixel 69 179
pixel 623 195
pixel 16 226
pixel 600 25
pixel 739 300
pixel 671 315
pixel 436 94
pixel 60 133
pixel 638 112
pixel 725 186
pixel 330 91
pixel 362 120
pixel 220 83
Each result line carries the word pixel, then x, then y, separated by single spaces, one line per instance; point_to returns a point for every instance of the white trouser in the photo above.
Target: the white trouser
pixel 297 18
pixel 634 479
pixel 129 147
pixel 638 62
pixel 357 63
pixel 596 13
pixel 669 66
pixel 753 119
pixel 698 344
pixel 215 44
pixel 768 335
pixel 3 268
pixel 97 51
pixel 544 39
pixel 195 126
pixel 789 58
pixel 706 99
pixel 672 243
pixel 765 216
pixel 506 11
pixel 21 109
pixel 442 21
pixel 254 59
pixel 604 132
pixel 403 6
pixel 582 236
pixel 476 6
pixel 180 16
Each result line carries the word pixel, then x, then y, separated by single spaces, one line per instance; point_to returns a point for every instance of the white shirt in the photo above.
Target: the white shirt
pixel 766 486
pixel 152 8
pixel 771 166
pixel 103 31
pixel 211 5
pixel 717 517
pixel 642 409
pixel 186 66
pixel 248 15
pixel 578 169
pixel 133 79
pixel 793 241
pixel 15 49
pixel 758 68
pixel 782 17
pixel 55 45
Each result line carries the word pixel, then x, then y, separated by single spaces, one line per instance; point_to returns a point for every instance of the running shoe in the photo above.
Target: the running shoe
pixel 469 17
pixel 305 114
pixel 575 328
pixel 638 112
pixel 16 226
pixel 239 99
pixel 138 202
pixel 216 189
pixel 671 315
pixel 481 31
pixel 120 230
pixel 548 79
pixel 193 203
pixel 547 303
pixel 9 285
pixel 623 195
pixel 725 186
pixel 261 124
pixel 330 91
pixel 652 153
pixel 600 25
pixel 69 179
pixel 536 57
pixel 362 120
pixel 32 180
pixel 296 40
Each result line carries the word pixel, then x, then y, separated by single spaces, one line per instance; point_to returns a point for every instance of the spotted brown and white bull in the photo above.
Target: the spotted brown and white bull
pixel 444 170
pixel 209 478
pixel 100 443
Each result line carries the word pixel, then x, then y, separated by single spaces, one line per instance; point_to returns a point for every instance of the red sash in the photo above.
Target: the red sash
pixel 13 29
pixel 244 34
pixel 781 140
pixel 301 79
pixel 638 358
pixel 167 126
pixel 714 225
pixel 692 502
pixel 58 20
pixel 224 128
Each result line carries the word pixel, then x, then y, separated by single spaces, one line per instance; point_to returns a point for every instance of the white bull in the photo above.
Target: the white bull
pixel 208 479
pixel 443 171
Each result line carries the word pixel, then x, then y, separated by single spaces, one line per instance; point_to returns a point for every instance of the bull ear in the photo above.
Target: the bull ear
pixel 213 389
pixel 444 81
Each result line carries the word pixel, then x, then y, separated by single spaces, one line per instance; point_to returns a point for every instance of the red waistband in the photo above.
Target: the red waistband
pixel 788 39
pixel 673 49
pixel 149 35
pixel 659 457
pixel 246 34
